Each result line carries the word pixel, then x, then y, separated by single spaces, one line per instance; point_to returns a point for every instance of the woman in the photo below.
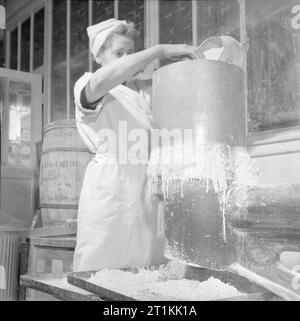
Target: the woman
pixel 115 215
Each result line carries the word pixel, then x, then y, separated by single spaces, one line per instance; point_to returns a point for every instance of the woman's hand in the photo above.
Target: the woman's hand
pixel 171 51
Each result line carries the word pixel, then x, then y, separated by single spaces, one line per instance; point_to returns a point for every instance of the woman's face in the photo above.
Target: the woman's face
pixel 119 47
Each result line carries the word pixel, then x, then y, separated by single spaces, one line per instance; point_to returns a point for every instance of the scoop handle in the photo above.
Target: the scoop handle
pixel 181 58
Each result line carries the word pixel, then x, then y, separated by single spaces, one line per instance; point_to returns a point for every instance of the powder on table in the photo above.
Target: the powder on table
pixel 166 283
pixel 191 290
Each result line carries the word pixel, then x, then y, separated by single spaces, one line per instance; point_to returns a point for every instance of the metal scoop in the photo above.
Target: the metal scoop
pixel 223 48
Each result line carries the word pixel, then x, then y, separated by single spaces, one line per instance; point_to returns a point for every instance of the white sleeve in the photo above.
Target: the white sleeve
pixel 79 86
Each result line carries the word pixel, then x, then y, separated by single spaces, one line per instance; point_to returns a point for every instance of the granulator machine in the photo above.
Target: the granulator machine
pixel 216 216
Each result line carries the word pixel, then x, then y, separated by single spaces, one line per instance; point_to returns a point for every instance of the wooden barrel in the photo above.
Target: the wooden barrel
pixel 63 162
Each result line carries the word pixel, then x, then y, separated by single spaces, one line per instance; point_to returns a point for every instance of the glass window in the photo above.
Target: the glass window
pixel 59 68
pixel 14 49
pixel 38 39
pixel 133 10
pixel 2 54
pixel 218 18
pixel 79 46
pixel 2 104
pixel 102 10
pixel 273 65
pixel 25 45
pixel 175 23
pixel 19 129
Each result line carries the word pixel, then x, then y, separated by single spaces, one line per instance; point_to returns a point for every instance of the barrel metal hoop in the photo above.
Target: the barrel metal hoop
pixel 60 206
pixel 66 149
pixel 57 125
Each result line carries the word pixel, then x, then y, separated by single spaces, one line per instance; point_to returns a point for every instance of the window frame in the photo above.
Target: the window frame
pixel 68 40
pixel 264 139
pixel 16 22
pixel 259 144
pixel 270 142
pixel 28 10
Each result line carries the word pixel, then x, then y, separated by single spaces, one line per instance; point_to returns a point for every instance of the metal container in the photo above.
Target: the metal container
pixel 209 96
pixel 201 94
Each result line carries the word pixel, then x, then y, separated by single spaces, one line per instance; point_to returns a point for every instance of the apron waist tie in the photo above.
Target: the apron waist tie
pixel 104 157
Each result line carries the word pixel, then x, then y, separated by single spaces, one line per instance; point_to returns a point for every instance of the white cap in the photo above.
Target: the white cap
pixel 99 32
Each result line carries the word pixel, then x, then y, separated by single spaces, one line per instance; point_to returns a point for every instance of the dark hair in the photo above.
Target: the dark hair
pixel 126 30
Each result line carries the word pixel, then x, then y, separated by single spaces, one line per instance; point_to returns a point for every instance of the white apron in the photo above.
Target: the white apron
pixel 115 215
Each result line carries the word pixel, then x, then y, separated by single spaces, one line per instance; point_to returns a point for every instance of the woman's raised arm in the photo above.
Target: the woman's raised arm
pixel 119 70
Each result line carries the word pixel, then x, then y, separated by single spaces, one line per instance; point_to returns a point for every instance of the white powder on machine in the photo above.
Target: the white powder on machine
pixel 220 166
pixel 165 283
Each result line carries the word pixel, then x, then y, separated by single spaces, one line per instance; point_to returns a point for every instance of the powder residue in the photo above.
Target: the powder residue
pixel 165 283
pixel 221 167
